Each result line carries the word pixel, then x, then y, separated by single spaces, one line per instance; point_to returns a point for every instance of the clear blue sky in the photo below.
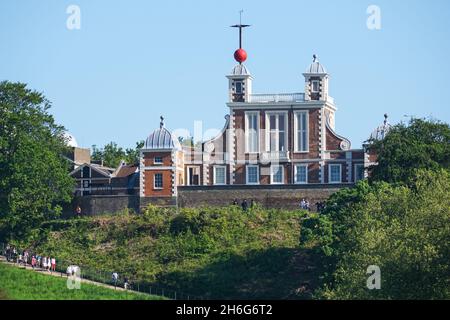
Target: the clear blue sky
pixel 134 60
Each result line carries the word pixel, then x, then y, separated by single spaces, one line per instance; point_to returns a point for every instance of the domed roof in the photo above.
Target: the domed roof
pixel 70 140
pixel 316 67
pixel 240 70
pixel 381 131
pixel 162 139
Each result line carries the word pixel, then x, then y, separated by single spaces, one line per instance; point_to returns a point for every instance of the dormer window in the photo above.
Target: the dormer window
pixel 315 86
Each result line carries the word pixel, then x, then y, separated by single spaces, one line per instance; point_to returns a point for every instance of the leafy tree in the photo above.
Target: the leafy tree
pixel 403 230
pixel 34 178
pixel 112 154
pixel 422 144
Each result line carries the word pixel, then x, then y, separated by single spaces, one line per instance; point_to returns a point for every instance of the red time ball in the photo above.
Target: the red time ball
pixel 240 55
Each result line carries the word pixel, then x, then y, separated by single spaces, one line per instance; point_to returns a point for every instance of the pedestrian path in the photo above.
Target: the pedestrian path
pixel 59 274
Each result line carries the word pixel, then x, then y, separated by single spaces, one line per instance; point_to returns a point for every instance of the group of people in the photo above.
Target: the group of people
pixel 304 204
pixel 115 280
pixel 27 258
pixel 245 205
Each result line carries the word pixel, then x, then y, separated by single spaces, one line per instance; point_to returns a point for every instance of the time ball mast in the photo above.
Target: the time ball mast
pixel 240 55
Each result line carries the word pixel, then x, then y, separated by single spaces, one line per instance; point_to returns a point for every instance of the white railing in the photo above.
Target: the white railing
pixel 275 155
pixel 280 97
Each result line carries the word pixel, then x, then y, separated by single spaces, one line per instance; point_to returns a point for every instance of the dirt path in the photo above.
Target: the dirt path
pixel 60 275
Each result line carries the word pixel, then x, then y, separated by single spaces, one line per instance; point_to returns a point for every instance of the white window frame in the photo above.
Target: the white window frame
pixel 296 129
pixel 355 171
pixel 329 172
pixel 295 173
pixel 286 129
pixel 188 175
pixel 215 175
pixel 162 181
pixel 312 86
pixel 247 130
pixel 157 162
pixel 272 174
pixel 247 174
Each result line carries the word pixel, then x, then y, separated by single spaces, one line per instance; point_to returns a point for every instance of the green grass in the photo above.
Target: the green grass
pixel 218 253
pixel 21 284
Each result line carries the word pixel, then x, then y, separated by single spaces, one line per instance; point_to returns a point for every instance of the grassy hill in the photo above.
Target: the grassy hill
pixel 210 253
pixel 21 284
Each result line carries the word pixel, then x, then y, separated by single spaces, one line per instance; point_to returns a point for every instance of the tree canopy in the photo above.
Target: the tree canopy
pixel 404 231
pixel 34 178
pixel 421 144
pixel 111 154
pixel 399 221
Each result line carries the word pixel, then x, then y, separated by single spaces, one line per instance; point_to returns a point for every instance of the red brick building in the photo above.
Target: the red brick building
pixel 267 139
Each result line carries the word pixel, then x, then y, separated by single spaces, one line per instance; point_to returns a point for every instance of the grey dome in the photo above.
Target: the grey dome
pixel 161 139
pixel 315 67
pixel 240 70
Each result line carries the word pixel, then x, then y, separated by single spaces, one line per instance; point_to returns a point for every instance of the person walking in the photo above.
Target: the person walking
pixel 78 211
pixel 33 262
pixel 115 278
pixel 244 205
pixel 25 258
pixel 48 263
pixel 53 264
pixel 303 204
pixel 125 283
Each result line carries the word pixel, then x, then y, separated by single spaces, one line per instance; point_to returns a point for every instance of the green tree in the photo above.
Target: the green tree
pixel 403 230
pixel 421 144
pixel 111 154
pixel 34 178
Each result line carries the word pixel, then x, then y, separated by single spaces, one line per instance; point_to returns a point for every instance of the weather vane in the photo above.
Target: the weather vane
pixel 240 55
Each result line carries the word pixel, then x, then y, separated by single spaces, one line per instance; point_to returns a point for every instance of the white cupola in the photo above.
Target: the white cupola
pixel 316 81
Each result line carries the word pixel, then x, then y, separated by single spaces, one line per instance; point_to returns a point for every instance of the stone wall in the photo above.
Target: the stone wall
pixel 287 196
pixel 269 196
pixel 97 205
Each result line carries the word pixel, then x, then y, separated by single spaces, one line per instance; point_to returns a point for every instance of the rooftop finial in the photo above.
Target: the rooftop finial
pixel 385 118
pixel 161 124
pixel 315 58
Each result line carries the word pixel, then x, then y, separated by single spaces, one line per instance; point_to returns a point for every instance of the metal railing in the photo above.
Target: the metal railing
pixel 279 97
pixel 105 277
